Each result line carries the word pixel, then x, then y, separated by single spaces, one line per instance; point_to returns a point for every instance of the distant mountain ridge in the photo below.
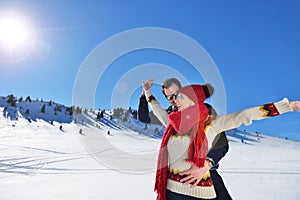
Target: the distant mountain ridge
pixel 14 108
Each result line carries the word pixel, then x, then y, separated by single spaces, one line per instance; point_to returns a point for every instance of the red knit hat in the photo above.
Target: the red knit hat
pixel 197 93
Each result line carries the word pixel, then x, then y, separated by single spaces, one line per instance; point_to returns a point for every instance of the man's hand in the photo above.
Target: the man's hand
pixel 195 174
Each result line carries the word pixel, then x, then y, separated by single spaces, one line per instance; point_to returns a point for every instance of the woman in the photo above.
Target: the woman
pixel 189 135
pixel 220 145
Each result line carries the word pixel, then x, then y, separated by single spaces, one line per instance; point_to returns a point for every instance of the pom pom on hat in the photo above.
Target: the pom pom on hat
pixel 208 89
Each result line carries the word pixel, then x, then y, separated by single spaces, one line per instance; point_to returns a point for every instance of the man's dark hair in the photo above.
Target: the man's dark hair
pixel 168 82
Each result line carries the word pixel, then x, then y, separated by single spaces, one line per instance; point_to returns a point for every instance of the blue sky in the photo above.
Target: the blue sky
pixel 254 44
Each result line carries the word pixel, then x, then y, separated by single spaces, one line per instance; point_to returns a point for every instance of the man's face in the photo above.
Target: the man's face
pixel 170 91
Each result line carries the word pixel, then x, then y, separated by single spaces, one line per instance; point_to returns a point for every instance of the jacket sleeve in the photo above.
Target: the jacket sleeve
pixel 143 111
pixel 157 109
pixel 219 149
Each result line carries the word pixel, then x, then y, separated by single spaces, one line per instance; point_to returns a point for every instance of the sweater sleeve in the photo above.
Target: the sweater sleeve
pixel 157 109
pixel 236 119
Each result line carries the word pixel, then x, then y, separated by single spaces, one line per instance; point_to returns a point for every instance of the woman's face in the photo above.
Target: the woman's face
pixel 182 101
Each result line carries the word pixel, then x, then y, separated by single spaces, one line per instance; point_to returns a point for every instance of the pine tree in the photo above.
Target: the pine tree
pixel 43 109
pixel 126 115
pixel 134 113
pixel 98 115
pixel 78 110
pixel 116 112
pixel 72 110
pixel 28 99
pixel 11 100
pixel 102 113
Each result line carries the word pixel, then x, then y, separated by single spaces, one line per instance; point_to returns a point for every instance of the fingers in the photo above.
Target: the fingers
pixel 144 84
pixel 150 80
pixel 188 180
pixel 197 181
pixel 187 172
pixel 191 178
pixel 147 85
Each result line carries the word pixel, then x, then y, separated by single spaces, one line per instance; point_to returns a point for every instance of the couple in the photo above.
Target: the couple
pixel 189 135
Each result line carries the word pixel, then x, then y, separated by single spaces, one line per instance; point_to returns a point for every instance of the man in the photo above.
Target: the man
pixel 220 145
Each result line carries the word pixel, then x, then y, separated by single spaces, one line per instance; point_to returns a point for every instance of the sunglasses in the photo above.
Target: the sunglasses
pixel 174 96
pixel 171 97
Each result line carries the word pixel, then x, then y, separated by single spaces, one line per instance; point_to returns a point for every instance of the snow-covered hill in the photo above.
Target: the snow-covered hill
pixel 14 108
pixel 115 158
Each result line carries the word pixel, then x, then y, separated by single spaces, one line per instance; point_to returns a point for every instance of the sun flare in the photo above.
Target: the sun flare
pixel 13 32
pixel 16 37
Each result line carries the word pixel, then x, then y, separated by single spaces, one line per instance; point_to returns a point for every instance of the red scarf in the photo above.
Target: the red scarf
pixel 181 122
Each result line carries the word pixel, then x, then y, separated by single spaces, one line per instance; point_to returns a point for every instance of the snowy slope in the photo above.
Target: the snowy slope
pixel 40 161
pixel 53 111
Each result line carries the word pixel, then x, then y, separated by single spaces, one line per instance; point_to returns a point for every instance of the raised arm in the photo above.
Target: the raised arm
pixel 157 109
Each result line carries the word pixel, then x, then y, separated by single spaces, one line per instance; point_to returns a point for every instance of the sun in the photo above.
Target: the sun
pixel 16 36
pixel 12 32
